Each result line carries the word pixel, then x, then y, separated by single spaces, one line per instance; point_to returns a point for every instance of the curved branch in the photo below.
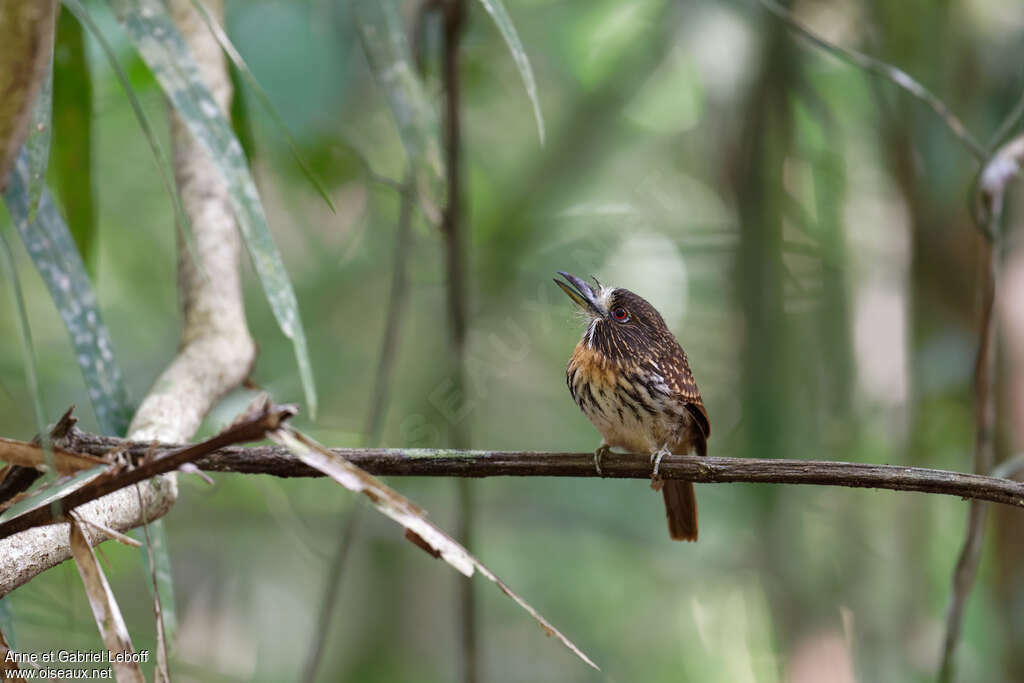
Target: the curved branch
pixel 217 351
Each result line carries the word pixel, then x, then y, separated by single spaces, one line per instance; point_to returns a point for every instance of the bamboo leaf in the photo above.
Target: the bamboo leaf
pixel 48 494
pixel 164 50
pixel 26 46
pixel 261 94
pixel 418 529
pixel 162 161
pixel 104 606
pixel 508 31
pixel 38 142
pixel 53 251
pixel 72 126
pixel 27 348
pixel 159 568
pixel 387 51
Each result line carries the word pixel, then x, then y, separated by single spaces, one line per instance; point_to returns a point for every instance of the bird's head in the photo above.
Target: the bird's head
pixel 621 324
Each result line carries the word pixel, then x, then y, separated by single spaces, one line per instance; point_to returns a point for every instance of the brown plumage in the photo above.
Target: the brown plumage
pixel 632 380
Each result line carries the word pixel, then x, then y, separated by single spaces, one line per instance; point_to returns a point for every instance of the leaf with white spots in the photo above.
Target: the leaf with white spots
pixel 163 48
pixel 56 257
pixel 38 143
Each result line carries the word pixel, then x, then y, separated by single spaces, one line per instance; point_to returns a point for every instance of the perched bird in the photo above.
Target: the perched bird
pixel 632 380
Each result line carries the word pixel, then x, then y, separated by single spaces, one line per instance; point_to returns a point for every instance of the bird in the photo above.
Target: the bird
pixel 632 380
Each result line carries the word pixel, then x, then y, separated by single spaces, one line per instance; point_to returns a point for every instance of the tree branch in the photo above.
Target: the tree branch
pixel 420 462
pixel 253 426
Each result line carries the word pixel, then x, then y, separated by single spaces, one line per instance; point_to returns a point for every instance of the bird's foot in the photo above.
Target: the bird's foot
pixel 656 460
pixel 601 451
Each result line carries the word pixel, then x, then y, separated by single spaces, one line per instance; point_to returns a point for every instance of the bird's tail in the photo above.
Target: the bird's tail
pixel 681 509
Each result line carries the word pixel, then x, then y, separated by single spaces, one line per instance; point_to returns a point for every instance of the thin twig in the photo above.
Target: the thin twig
pixel 452 229
pixel 1008 125
pixel 894 75
pixel 991 184
pixel 425 462
pixel 374 419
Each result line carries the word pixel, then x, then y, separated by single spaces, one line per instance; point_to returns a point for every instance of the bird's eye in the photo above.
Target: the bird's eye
pixel 620 314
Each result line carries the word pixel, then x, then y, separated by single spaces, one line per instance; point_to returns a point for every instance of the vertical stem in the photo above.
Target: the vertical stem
pixel 984 448
pixel 374 420
pixel 451 228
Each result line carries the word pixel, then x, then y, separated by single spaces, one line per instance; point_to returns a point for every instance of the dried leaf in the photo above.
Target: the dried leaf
pixel 7 666
pixel 104 606
pixel 33 455
pixel 405 512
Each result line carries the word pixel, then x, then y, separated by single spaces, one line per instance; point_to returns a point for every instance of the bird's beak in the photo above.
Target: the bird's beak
pixel 581 293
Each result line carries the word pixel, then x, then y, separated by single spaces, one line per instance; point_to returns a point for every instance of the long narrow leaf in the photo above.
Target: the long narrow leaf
pixel 27 348
pixel 39 135
pixel 399 508
pixel 162 161
pixel 387 51
pixel 508 31
pixel 72 127
pixel 164 50
pixel 53 251
pixel 159 568
pixel 243 69
pixel 104 606
pixel 44 496
pixel 26 454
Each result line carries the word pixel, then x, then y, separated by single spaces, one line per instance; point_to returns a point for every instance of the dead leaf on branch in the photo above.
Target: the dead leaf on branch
pixel 104 606
pixel 399 508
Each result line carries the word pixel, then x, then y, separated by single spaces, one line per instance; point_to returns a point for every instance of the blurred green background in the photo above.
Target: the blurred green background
pixel 804 231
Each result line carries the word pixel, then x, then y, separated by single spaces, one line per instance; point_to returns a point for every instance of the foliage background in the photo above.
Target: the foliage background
pixel 803 229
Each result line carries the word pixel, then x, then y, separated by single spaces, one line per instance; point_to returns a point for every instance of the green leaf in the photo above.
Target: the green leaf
pixel 51 494
pixel 164 50
pixel 72 126
pixel 157 540
pixel 508 31
pixel 387 50
pixel 243 69
pixel 53 251
pixel 163 163
pixel 27 348
pixel 38 143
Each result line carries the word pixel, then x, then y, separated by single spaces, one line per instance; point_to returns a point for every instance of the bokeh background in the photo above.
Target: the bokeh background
pixel 804 230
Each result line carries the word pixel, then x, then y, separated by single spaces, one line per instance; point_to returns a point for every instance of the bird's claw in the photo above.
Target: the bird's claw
pixel 601 451
pixel 656 460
